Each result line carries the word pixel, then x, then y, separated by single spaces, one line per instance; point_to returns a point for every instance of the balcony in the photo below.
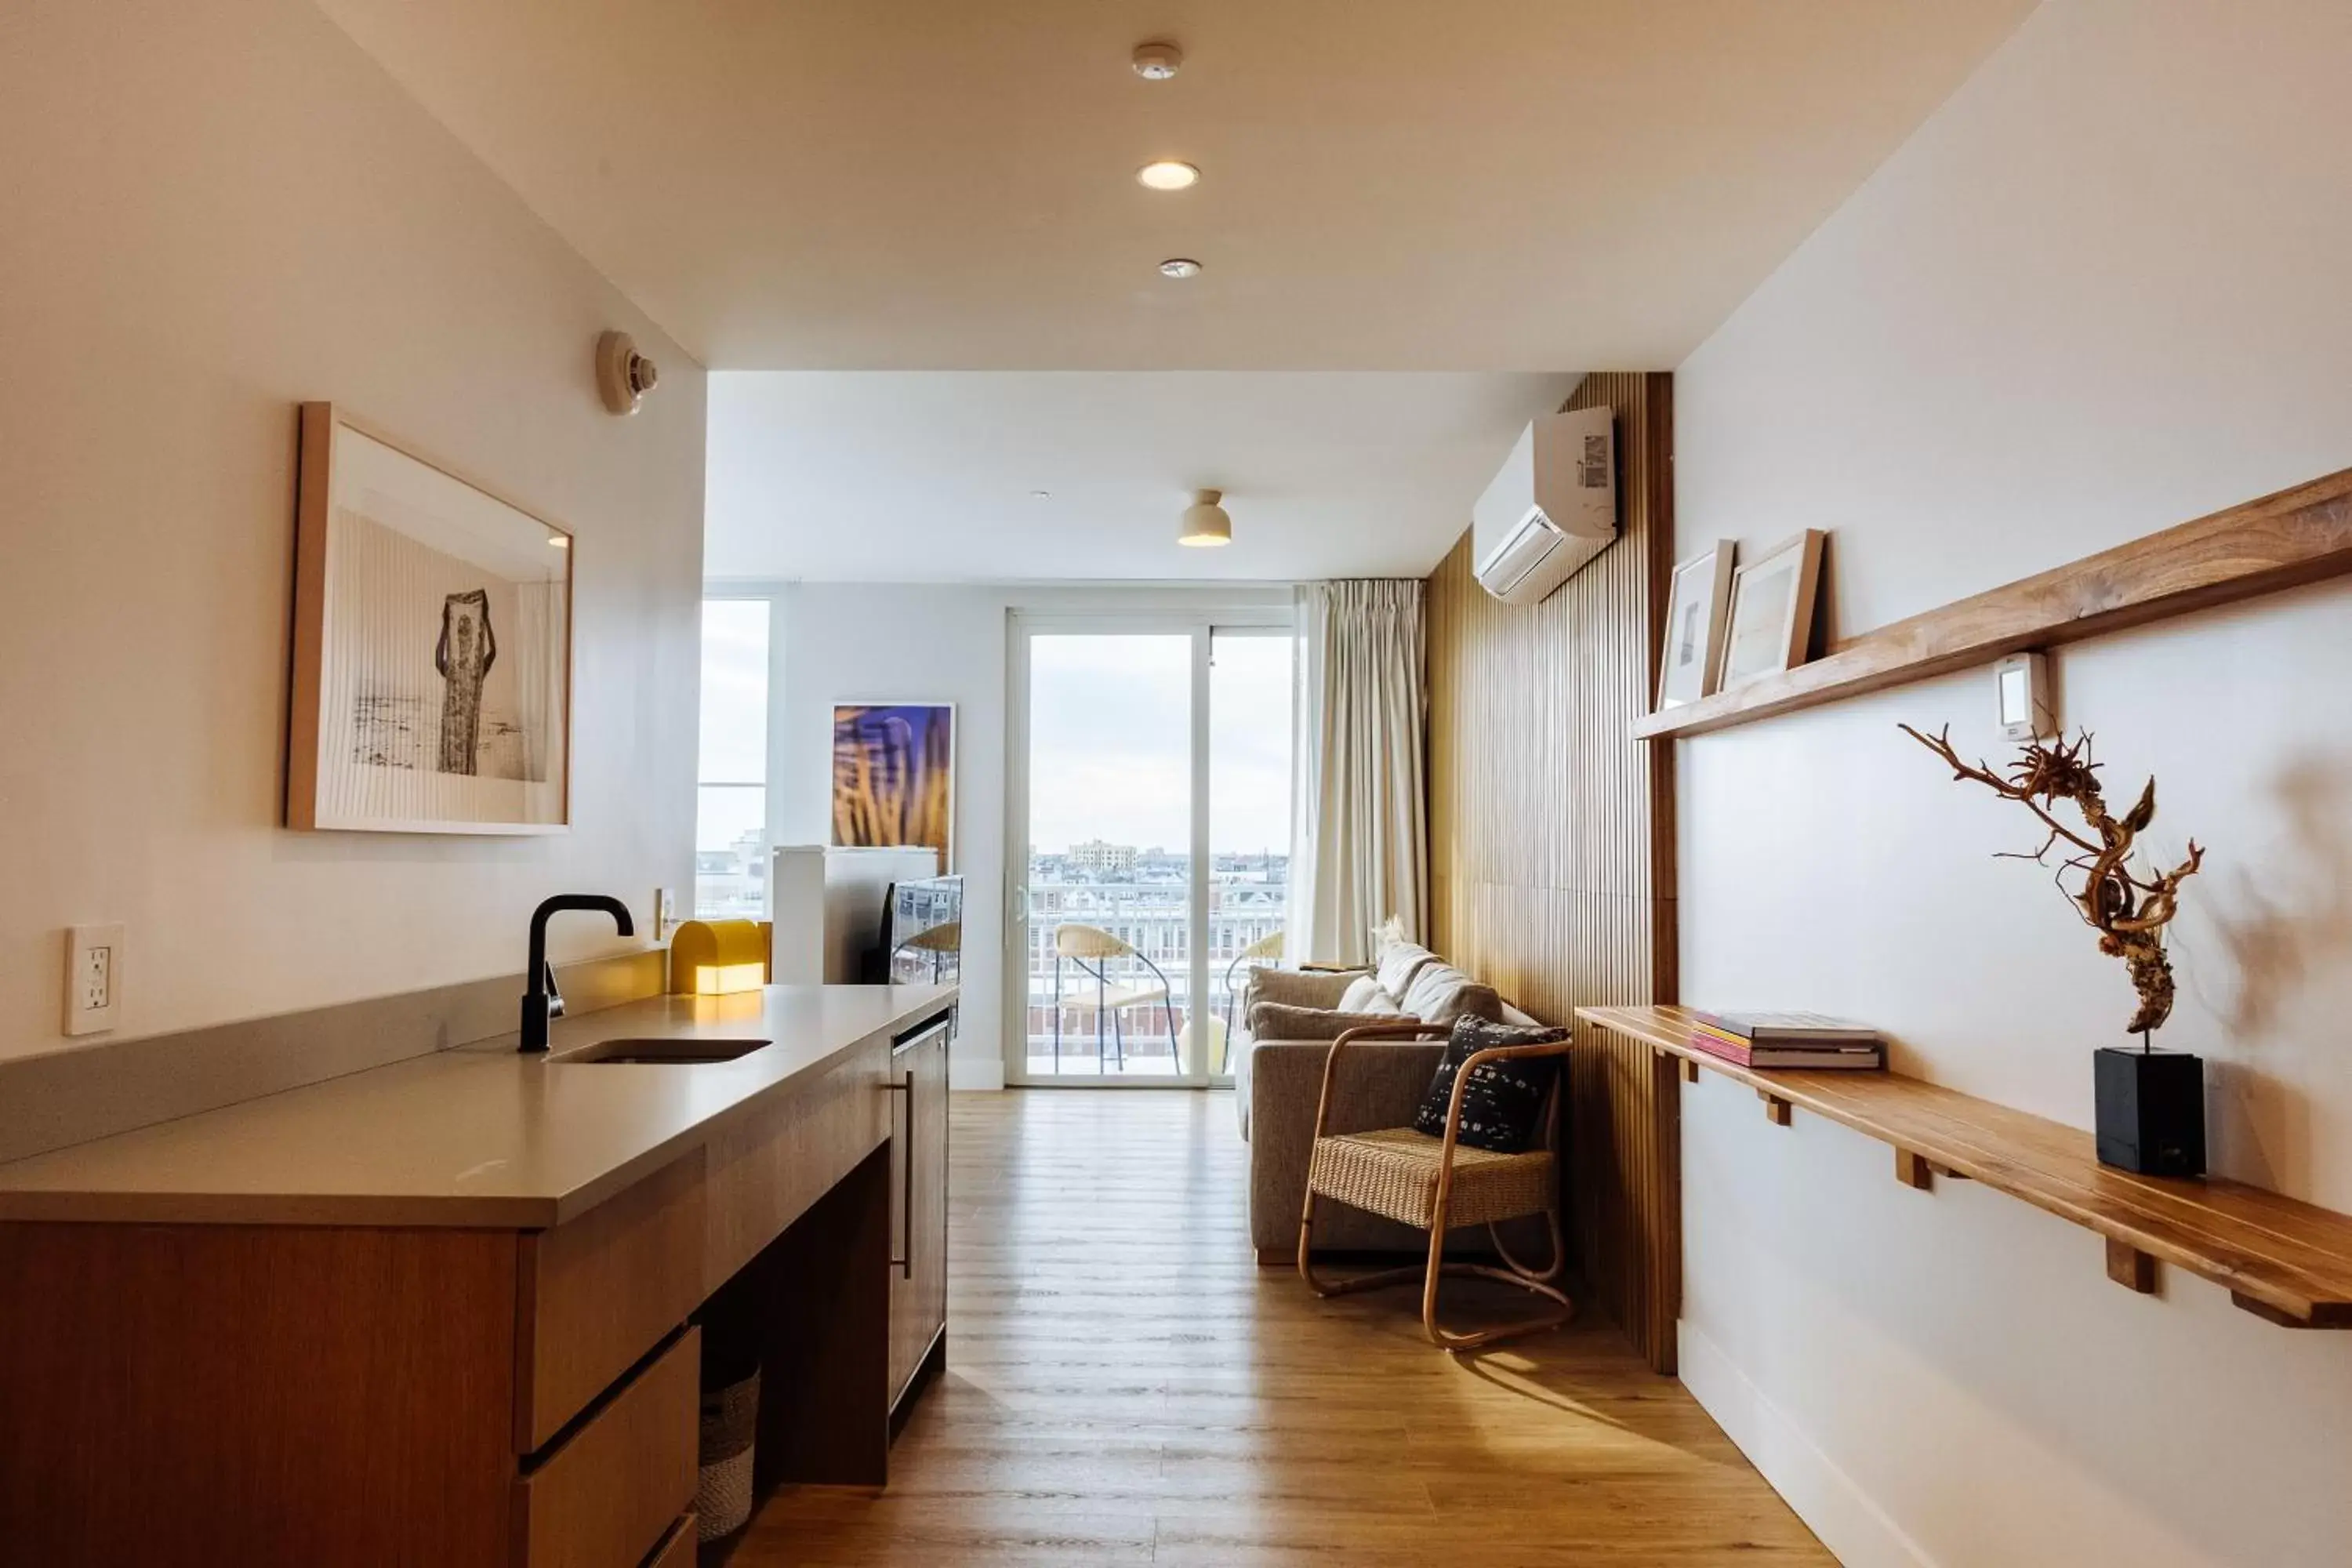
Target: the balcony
pixel 1114 946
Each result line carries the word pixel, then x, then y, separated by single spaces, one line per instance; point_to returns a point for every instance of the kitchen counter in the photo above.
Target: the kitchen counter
pixel 477 1137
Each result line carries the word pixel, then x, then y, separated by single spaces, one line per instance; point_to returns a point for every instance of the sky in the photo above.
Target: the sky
pixel 734 719
pixel 1109 736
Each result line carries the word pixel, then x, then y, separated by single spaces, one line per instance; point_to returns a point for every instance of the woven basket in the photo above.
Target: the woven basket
pixel 722 1495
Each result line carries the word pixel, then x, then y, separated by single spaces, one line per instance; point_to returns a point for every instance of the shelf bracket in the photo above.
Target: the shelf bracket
pixel 1913 1171
pixel 1690 1070
pixel 1778 1111
pixel 2130 1267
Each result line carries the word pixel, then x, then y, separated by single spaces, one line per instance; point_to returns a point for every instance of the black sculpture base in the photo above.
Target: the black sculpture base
pixel 2151 1111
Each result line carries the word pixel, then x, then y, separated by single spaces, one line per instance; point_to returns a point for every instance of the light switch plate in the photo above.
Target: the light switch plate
pixel 2022 689
pixel 93 978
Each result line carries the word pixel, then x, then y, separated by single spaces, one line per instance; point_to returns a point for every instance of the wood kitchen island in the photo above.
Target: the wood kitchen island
pixel 445 1312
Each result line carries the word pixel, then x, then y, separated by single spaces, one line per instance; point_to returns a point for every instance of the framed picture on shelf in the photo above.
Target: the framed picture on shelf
pixel 1772 609
pixel 894 777
pixel 432 669
pixel 1696 608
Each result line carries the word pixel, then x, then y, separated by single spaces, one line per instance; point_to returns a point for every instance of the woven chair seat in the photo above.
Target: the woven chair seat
pixel 1394 1173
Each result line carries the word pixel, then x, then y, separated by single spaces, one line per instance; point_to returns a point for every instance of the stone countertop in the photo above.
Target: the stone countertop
pixel 480 1137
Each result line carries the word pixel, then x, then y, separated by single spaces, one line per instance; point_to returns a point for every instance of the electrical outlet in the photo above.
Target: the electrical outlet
pixel 93 978
pixel 665 920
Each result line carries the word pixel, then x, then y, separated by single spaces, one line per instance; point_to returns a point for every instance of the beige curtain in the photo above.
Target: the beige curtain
pixel 1359 843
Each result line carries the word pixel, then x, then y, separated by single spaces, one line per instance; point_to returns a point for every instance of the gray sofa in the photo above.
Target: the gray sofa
pixel 1277 1080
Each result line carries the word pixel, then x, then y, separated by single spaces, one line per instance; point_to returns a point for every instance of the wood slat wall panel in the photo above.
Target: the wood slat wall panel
pixel 1552 846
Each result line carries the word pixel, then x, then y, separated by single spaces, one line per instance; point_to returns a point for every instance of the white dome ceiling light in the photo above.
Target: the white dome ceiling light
pixel 1168 174
pixel 1180 267
pixel 1158 60
pixel 1205 524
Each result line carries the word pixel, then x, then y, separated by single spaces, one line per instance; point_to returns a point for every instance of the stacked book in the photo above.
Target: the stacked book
pixel 1788 1040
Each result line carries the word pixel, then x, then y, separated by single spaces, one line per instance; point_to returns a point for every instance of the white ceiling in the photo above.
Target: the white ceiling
pixel 926 476
pixel 1390 184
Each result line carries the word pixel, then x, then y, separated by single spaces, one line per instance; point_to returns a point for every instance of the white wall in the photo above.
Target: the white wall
pixel 214 211
pixel 2101 291
pixel 845 642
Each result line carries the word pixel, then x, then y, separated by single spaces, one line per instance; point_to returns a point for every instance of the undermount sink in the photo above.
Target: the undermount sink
pixel 674 1051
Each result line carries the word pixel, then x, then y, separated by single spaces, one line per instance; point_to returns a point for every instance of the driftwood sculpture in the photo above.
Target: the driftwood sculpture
pixel 2129 911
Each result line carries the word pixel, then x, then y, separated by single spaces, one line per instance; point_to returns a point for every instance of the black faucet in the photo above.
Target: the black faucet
pixel 541 999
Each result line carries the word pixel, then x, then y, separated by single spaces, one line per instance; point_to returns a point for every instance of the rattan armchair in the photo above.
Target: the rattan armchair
pixel 1432 1183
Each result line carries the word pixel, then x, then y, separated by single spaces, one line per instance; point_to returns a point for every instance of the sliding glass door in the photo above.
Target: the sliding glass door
pixel 1150 826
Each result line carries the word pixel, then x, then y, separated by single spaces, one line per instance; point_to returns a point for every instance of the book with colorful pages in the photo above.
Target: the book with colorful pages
pixel 1772 1043
pixel 1793 1028
pixel 1861 1056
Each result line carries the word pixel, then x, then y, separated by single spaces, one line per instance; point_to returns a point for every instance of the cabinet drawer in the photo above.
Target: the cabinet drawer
pixel 612 1492
pixel 598 1292
pixel 679 1549
pixel 767 1168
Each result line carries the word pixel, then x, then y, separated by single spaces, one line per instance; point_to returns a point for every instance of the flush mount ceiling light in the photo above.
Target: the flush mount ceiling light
pixel 1205 524
pixel 1180 267
pixel 1168 174
pixel 1158 60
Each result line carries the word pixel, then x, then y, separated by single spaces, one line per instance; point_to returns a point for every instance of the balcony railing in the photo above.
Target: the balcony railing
pixel 1112 1014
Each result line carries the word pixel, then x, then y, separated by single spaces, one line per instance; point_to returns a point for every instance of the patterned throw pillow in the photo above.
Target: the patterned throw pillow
pixel 1502 1109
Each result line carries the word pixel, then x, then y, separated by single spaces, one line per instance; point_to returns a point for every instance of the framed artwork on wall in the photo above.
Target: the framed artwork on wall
pixel 1697 606
pixel 1772 609
pixel 432 669
pixel 894 776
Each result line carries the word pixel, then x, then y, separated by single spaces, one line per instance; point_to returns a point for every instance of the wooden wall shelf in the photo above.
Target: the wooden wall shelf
pixel 2281 541
pixel 2287 1261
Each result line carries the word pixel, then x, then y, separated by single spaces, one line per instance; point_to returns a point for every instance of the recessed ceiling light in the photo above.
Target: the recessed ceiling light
pixel 1205 523
pixel 1180 267
pixel 1168 174
pixel 1158 60
pixel 1041 495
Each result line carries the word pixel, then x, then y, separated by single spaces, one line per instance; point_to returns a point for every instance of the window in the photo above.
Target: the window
pixel 731 829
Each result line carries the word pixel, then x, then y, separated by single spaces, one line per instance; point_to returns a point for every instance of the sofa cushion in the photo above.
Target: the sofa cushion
pixel 1440 993
pixel 1295 988
pixel 1399 962
pixel 1274 1021
pixel 1503 1103
pixel 1364 994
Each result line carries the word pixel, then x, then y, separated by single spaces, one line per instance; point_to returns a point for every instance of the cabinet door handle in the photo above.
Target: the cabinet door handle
pixel 905 1266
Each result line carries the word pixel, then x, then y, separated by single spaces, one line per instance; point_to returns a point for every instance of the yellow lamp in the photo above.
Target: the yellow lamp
pixel 719 958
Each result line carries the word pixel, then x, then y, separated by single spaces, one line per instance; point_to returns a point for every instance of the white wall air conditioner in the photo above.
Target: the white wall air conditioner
pixel 1552 508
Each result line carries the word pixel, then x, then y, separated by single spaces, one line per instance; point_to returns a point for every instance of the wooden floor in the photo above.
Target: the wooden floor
pixel 1125 1385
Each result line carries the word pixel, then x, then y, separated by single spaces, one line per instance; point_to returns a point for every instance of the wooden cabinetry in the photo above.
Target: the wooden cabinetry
pixel 611 1490
pixel 182 1396
pixel 919 1193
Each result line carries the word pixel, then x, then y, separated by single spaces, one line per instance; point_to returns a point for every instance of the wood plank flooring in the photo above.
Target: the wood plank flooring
pixel 1125 1385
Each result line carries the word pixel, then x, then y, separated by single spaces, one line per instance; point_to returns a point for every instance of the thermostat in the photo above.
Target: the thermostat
pixel 2026 712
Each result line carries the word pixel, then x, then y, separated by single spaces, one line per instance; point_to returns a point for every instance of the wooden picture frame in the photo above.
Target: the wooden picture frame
pixel 1773 602
pixel 431 687
pixel 1698 607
